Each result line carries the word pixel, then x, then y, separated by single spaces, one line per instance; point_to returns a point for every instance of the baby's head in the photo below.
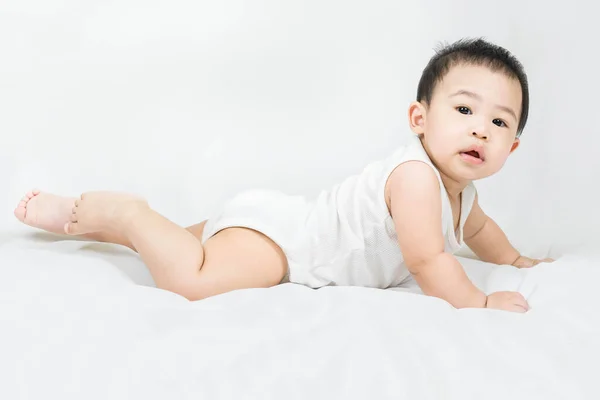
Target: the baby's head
pixel 472 105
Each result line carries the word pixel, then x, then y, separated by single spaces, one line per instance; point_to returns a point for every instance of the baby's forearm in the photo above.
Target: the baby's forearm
pixel 491 245
pixel 442 276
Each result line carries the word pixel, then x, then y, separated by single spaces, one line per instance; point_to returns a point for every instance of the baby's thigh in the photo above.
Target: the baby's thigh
pixel 240 258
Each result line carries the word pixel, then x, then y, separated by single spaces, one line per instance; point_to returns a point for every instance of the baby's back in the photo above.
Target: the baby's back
pixel 346 236
pixel 351 238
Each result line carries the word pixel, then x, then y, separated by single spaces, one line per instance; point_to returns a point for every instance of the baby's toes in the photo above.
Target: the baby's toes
pixel 73 227
pixel 21 211
pixel 77 224
pixel 70 228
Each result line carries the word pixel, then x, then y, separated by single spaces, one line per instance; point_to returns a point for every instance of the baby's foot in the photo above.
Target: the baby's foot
pixel 103 211
pixel 45 211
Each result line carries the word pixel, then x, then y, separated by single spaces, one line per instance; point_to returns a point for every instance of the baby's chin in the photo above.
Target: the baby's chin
pixel 475 175
pixel 466 173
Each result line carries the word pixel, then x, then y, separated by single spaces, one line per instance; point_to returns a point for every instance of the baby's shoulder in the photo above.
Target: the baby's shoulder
pixel 413 181
pixel 408 154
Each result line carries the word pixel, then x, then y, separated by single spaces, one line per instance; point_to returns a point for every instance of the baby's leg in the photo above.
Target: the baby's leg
pixel 119 238
pixel 51 212
pixel 235 258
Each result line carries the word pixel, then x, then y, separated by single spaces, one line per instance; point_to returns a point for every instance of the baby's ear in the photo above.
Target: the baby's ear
pixel 416 117
pixel 515 144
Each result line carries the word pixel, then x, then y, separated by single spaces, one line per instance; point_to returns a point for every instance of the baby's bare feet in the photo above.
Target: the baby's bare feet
pixel 103 211
pixel 45 211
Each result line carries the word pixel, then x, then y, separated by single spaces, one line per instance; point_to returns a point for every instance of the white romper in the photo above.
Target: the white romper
pixel 346 235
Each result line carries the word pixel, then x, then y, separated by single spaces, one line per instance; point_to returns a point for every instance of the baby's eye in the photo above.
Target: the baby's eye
pixel 499 123
pixel 464 110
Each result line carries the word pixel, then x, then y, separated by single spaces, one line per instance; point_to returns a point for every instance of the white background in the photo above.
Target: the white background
pixel 188 102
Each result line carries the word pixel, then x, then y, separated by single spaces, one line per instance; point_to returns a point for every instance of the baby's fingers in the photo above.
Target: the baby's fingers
pixel 517 308
pixel 519 301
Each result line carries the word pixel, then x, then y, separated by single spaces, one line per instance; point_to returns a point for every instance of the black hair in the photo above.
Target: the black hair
pixel 474 52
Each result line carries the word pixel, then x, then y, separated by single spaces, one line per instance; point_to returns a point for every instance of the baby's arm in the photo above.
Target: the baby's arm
pixel 415 203
pixel 486 239
pixel 489 242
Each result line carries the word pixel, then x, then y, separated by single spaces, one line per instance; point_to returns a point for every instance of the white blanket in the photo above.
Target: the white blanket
pixel 83 321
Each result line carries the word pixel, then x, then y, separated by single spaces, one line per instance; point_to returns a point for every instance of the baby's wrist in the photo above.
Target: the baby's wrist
pixel 479 300
pixel 515 258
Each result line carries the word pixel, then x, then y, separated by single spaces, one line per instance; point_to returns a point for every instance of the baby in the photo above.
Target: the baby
pixel 403 216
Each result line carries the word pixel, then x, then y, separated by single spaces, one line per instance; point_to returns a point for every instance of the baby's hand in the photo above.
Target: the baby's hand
pixel 508 301
pixel 526 262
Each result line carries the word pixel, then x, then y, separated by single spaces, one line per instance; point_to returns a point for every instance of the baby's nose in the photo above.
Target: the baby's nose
pixel 483 136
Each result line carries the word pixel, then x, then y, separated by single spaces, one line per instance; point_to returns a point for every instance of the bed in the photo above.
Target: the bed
pixel 83 320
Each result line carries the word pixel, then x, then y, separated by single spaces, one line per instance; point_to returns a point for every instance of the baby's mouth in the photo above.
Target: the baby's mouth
pixel 473 155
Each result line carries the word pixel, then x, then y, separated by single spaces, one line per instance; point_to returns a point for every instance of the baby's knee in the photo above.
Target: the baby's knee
pixel 189 286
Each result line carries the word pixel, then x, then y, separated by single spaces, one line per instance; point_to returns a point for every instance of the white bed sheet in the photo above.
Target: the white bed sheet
pixel 83 321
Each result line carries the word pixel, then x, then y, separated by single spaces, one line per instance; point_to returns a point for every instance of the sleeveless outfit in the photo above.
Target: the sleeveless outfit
pixel 346 236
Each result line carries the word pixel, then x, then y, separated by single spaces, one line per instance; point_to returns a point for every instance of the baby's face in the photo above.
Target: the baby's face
pixel 471 124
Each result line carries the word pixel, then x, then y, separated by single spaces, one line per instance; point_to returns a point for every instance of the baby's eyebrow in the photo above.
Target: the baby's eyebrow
pixel 479 98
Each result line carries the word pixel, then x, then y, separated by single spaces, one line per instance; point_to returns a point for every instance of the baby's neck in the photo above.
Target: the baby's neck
pixel 453 188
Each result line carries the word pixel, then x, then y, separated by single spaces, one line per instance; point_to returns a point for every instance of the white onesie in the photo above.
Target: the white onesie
pixel 346 235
